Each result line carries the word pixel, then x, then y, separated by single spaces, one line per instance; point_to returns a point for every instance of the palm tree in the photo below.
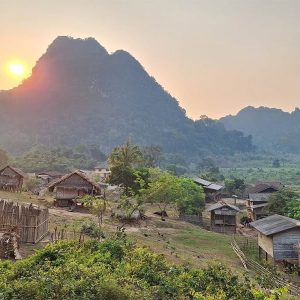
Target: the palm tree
pixel 126 155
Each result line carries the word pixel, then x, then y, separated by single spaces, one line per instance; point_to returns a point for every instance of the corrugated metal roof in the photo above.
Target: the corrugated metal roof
pixel 214 186
pixel 259 197
pixel 222 204
pixel 274 224
pixel 201 181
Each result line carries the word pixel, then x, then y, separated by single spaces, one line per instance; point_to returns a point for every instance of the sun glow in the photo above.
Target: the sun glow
pixel 17 69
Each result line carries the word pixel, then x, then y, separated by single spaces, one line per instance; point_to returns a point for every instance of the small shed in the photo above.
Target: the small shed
pixel 212 190
pixel 48 176
pixel 11 179
pixel 223 217
pixel 278 238
pixel 71 187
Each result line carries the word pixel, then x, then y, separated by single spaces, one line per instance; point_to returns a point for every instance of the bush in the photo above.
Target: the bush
pixel 115 270
pixel 92 230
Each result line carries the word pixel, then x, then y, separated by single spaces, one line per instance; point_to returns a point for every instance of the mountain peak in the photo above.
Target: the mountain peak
pixel 64 44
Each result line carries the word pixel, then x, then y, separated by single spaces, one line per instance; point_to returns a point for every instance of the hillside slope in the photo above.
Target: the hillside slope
pixel 270 128
pixel 80 94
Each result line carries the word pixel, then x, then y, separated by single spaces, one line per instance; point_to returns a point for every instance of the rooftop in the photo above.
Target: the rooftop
pixel 221 205
pixel 274 224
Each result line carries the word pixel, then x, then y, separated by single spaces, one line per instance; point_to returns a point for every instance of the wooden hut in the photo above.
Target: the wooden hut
pixel 258 198
pixel 223 217
pixel 71 187
pixel 11 179
pixel 278 238
pixel 212 190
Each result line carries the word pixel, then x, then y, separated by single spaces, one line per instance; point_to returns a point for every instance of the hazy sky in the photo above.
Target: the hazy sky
pixel 214 56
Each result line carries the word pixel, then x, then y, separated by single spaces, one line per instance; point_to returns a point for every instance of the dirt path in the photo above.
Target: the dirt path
pixel 65 213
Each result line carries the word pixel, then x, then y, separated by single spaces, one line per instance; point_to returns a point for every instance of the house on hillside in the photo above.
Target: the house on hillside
pixel 278 238
pixel 71 187
pixel 103 171
pixel 11 179
pixel 49 176
pixel 258 198
pixel 223 217
pixel 212 190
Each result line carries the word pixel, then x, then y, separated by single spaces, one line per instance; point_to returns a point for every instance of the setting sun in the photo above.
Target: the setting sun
pixel 17 69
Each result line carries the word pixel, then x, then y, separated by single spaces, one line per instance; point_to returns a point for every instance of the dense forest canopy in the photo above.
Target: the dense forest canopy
pixel 271 128
pixel 80 94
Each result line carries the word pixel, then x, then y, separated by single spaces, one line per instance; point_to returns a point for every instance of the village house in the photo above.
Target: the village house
pixel 212 190
pixel 103 171
pixel 258 198
pixel 71 187
pixel 278 239
pixel 11 179
pixel 223 217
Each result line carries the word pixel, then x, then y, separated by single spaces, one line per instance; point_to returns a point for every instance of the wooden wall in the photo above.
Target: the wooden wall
pixel 31 221
pixel 284 244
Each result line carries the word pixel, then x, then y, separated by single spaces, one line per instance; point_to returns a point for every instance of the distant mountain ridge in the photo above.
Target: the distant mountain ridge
pixel 271 128
pixel 78 93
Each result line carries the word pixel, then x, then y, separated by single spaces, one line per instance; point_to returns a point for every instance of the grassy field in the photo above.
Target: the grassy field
pixel 180 242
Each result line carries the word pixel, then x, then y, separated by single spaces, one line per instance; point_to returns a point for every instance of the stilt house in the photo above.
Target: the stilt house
pixel 11 179
pixel 71 187
pixel 223 217
pixel 278 238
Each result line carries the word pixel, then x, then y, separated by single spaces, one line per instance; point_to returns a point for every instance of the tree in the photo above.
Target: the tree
pixel 230 185
pixel 278 202
pixel 164 191
pixel 152 156
pixel 293 209
pixel 126 156
pixel 235 185
pixel 3 158
pixel 96 154
pixel 192 199
pixel 276 163
pixel 97 206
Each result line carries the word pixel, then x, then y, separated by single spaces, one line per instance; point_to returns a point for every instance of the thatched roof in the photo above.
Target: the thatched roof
pixel 16 170
pixel 51 174
pixel 52 185
pixel 262 186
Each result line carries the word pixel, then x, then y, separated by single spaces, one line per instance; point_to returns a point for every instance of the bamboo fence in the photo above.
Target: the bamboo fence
pixel 31 222
pixel 250 264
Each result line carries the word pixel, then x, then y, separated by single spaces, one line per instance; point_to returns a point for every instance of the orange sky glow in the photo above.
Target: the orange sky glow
pixel 215 57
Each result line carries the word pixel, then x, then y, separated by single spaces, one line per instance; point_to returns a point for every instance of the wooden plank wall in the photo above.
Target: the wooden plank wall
pixel 31 221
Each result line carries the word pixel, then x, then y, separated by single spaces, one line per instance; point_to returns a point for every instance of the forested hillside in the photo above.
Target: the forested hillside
pixel 80 94
pixel 270 128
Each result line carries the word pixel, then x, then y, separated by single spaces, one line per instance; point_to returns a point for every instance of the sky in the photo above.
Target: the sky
pixel 214 56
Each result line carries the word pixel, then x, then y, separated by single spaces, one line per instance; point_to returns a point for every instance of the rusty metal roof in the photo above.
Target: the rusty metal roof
pixel 274 224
